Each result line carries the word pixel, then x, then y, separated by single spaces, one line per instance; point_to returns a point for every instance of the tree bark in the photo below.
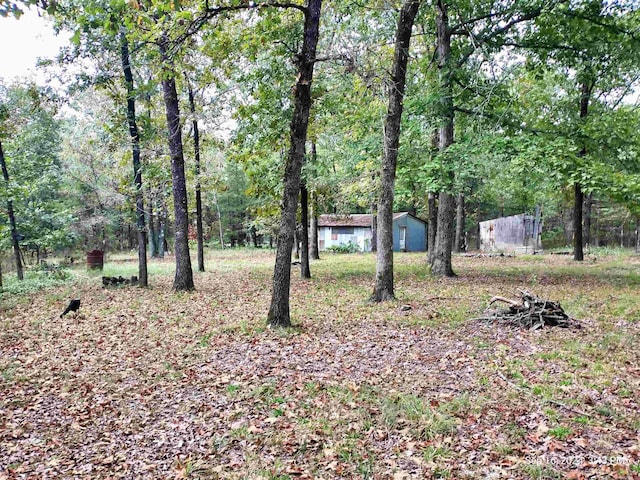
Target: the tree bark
pixel 578 250
pixel 153 233
pixel 446 204
pixel 314 251
pixel 183 279
pixel 137 167
pixel 196 148
pixel 637 249
pixel 432 202
pixel 586 235
pixel 12 219
pixel 279 314
pixel 578 253
pixel 305 270
pixel 384 289
pixel 596 233
pixel 460 224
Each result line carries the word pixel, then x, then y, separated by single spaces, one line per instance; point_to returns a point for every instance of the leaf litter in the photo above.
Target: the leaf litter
pixel 153 384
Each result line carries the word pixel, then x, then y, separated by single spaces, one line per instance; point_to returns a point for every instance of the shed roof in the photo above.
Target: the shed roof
pixel 353 219
pixel 346 220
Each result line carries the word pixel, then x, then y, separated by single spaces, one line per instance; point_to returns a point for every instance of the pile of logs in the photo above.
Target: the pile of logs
pixel 119 281
pixel 529 312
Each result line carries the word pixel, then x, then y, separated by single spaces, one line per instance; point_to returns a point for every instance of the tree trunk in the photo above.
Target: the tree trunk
pixel 432 228
pixel 586 235
pixel 460 224
pixel 383 290
pixel 637 249
pixel 446 204
pixel 215 199
pixel 305 270
pixel 444 236
pixel 314 251
pixel 162 228
pixel 12 219
pixel 578 251
pixel 196 148
pixel 183 279
pixel 596 236
pixel 153 232
pixel 279 310
pixel 622 235
pixel 137 168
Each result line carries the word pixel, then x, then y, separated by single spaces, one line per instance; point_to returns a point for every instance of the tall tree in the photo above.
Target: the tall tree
pixel 314 252
pixel 484 29
pixel 384 288
pixel 196 148
pixel 12 218
pixel 183 279
pixel 578 250
pixel 305 270
pixel 564 39
pixel 279 314
pixel 137 166
pixel 446 203
pixel 30 136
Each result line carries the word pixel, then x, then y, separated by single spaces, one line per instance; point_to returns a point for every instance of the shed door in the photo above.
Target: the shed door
pixel 403 238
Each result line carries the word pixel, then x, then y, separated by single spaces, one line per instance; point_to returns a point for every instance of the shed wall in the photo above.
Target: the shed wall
pixel 517 232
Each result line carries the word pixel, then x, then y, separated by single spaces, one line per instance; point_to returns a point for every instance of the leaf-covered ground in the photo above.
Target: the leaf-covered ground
pixel 154 384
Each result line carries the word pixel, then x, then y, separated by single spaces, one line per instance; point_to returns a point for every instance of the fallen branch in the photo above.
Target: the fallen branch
pixel 529 312
pixel 505 300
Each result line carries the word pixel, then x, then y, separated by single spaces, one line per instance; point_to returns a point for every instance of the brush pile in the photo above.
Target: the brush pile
pixel 529 312
pixel 118 281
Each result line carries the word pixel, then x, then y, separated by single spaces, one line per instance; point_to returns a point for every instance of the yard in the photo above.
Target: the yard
pixel 154 384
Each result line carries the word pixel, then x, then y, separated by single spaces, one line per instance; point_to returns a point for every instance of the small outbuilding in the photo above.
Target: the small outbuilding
pixel 409 231
pixel 517 233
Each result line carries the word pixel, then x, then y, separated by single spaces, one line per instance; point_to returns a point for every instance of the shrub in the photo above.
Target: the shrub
pixel 35 279
pixel 344 248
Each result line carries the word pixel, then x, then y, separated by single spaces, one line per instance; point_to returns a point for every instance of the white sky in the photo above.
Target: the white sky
pixel 23 41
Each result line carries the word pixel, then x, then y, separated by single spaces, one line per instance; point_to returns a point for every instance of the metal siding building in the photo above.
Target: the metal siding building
pixel 519 233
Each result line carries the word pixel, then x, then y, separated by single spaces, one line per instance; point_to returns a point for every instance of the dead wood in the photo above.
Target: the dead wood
pixel 118 281
pixel 529 312
pixel 513 303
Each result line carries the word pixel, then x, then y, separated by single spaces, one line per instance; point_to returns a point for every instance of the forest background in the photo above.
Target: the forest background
pixel 500 107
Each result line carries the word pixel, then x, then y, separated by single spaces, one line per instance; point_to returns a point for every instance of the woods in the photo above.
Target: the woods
pixel 257 138
pixel 470 136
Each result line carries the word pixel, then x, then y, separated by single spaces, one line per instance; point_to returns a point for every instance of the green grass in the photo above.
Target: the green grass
pixel 424 421
pixel 542 472
pixel 34 280
pixel 561 433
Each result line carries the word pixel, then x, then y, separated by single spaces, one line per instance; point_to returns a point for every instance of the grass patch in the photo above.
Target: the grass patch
pixel 424 421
